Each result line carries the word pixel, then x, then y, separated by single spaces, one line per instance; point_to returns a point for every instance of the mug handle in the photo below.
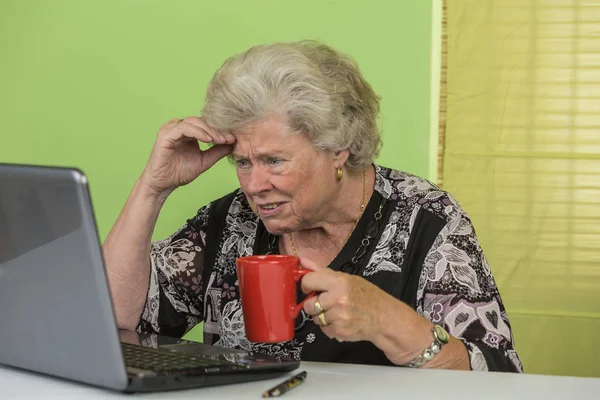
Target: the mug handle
pixel 298 274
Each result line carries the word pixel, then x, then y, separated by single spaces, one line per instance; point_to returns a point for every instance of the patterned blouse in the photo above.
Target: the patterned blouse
pixel 414 241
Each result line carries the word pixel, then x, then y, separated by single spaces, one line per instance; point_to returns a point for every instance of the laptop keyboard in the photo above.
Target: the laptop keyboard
pixel 165 361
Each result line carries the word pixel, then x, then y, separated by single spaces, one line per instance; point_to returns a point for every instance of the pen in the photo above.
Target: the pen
pixel 286 385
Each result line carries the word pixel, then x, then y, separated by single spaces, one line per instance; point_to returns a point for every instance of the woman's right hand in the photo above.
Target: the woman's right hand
pixel 176 157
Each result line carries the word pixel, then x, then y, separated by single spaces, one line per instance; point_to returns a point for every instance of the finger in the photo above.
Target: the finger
pixel 327 301
pixel 189 128
pixel 214 154
pixel 332 318
pixel 170 123
pixel 230 137
pixel 305 291
pixel 310 305
pixel 308 264
pixel 195 121
pixel 184 131
pixel 336 329
pixel 321 281
pixel 322 319
pixel 220 137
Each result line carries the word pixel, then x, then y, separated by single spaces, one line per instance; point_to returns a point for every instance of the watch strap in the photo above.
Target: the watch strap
pixel 440 338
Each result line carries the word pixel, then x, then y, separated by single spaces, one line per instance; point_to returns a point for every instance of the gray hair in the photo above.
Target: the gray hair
pixel 318 91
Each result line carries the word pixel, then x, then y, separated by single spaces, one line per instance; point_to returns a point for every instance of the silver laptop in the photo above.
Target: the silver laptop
pixel 56 314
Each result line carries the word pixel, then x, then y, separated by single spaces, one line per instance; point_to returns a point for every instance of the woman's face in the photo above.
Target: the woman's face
pixel 287 181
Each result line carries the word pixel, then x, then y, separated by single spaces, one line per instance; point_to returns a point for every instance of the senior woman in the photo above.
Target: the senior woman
pixel 401 276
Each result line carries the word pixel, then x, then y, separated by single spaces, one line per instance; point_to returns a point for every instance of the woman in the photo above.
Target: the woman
pixel 396 260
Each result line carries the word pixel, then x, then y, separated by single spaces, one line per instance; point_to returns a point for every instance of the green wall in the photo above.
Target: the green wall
pixel 88 83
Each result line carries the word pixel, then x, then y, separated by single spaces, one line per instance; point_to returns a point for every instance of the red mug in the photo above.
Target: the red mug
pixel 268 294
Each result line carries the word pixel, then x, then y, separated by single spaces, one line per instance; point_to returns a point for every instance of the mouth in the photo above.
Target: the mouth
pixel 269 209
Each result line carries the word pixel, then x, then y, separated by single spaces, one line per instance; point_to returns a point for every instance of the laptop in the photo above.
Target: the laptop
pixel 56 313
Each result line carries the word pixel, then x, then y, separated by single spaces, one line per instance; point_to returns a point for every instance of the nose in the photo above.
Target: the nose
pixel 258 181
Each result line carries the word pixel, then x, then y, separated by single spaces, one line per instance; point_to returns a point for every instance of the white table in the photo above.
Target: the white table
pixel 334 381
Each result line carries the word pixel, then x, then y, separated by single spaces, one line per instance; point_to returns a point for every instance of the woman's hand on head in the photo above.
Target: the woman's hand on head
pixel 176 157
pixel 353 307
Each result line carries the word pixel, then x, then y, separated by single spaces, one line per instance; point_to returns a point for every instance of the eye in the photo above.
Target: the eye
pixel 274 162
pixel 242 163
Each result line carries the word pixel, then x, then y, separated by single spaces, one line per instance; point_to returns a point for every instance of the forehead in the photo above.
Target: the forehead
pixel 262 138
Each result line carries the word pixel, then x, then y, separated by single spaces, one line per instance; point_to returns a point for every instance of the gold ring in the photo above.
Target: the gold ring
pixel 318 307
pixel 322 319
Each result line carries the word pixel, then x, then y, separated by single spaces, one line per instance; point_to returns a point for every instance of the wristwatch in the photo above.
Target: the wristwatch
pixel 440 338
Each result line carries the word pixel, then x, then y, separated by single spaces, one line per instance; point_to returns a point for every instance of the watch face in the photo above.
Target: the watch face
pixel 442 335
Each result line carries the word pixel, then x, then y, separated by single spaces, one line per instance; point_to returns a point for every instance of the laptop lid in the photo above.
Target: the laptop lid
pixel 55 308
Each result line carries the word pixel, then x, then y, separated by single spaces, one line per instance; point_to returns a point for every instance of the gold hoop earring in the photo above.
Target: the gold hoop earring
pixel 340 173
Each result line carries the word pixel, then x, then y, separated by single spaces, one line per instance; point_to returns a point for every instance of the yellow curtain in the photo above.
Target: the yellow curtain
pixel 520 147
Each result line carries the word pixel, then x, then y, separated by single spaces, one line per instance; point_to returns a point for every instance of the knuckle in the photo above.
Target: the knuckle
pixel 164 130
pixel 345 317
pixel 189 119
pixel 343 301
pixel 161 133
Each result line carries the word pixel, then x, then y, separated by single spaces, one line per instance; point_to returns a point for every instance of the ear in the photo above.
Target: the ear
pixel 340 157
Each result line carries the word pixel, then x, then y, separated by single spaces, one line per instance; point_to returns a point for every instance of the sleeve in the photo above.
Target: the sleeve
pixel 174 303
pixel 457 290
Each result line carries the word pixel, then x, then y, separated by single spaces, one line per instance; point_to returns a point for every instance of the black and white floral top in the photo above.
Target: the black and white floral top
pixel 422 250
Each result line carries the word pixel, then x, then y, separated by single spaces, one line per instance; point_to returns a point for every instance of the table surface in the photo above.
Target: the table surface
pixel 333 381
